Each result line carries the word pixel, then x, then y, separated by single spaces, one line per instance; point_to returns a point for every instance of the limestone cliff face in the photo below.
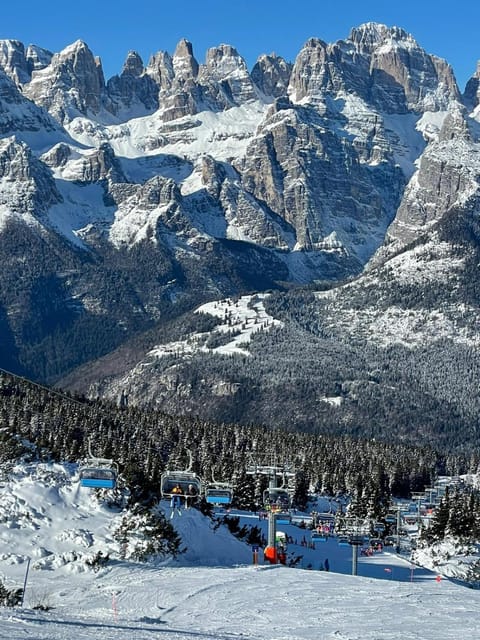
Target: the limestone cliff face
pixel 448 176
pixel 133 89
pixel 28 186
pixel 319 184
pixel 226 76
pixel 271 74
pixel 383 66
pixel 71 85
pixel 20 115
pixel 18 62
pixel 13 61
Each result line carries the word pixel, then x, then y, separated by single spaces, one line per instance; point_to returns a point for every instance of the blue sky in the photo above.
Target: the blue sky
pixel 111 29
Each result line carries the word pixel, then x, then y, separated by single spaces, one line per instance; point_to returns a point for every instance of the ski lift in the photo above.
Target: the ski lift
pixel 276 496
pixel 282 517
pixel 189 483
pixel 98 473
pixel 219 493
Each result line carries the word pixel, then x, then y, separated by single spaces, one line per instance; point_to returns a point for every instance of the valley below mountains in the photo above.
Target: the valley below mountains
pixel 295 245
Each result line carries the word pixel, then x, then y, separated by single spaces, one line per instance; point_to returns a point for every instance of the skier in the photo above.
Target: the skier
pixel 326 564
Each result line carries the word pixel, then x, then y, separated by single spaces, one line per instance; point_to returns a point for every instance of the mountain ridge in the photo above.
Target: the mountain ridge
pixel 178 183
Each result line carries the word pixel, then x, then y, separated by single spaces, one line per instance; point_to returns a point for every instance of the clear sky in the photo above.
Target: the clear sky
pixel 448 29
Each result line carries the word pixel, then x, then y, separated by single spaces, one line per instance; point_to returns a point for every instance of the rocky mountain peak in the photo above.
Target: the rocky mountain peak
pixel 133 89
pixel 271 74
pixel 13 61
pixel 37 57
pixel 370 35
pixel 184 63
pixel 384 66
pixel 72 84
pixel 160 69
pixel 133 65
pixel 225 67
pixel 471 96
pixel 311 73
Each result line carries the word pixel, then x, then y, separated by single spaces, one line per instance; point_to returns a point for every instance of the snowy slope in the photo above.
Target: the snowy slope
pixel 213 591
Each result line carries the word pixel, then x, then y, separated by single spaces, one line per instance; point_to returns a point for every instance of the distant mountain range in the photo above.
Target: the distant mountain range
pixel 346 181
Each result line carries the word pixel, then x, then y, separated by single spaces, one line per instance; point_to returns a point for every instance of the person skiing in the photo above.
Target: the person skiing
pixel 326 564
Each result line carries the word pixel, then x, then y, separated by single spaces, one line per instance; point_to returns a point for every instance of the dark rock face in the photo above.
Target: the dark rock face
pixel 271 74
pixel 133 88
pixel 471 96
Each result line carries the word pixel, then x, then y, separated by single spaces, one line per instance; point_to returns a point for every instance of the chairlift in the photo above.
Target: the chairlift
pixel 189 483
pixel 282 517
pixel 98 473
pixel 219 493
pixel 276 496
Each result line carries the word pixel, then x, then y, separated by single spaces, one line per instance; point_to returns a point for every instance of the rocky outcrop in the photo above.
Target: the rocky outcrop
pixel 71 85
pixel 134 89
pixel 448 175
pixel 184 95
pixel 18 62
pixel 37 58
pixel 383 66
pixel 13 61
pixel 271 74
pixel 471 96
pixel 19 114
pixel 32 187
pixel 225 77
pixel 160 69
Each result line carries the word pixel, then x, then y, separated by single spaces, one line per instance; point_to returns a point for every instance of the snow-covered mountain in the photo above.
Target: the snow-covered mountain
pixel 179 182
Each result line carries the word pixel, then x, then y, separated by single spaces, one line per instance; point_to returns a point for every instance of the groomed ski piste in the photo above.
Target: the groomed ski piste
pixel 213 591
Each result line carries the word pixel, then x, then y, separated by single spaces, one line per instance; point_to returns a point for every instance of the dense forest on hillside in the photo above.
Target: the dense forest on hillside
pixel 144 443
pixel 313 374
